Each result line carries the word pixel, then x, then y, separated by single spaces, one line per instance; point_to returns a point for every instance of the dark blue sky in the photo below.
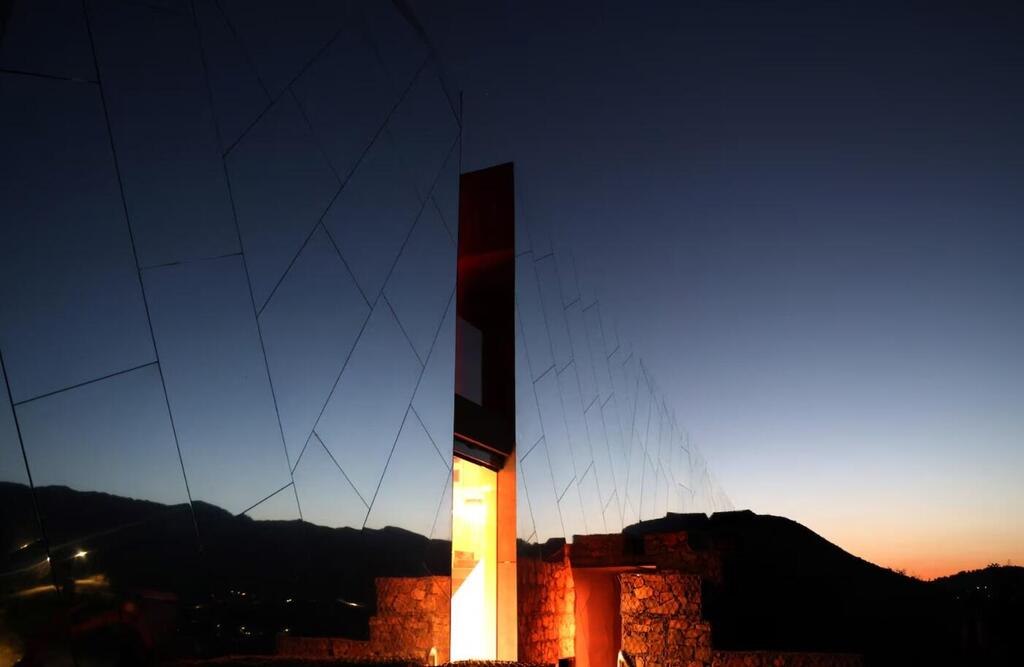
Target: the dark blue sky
pixel 804 216
pixel 807 217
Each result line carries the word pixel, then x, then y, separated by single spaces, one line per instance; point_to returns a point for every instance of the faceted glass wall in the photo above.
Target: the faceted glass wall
pixel 227 327
pixel 226 323
pixel 598 446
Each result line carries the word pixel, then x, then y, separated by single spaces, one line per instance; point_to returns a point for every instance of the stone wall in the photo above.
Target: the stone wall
pixel 783 659
pixel 412 617
pixel 661 621
pixel 547 603
pixel 666 551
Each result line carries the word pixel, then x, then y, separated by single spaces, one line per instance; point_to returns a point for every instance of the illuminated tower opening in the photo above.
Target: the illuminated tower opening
pixel 483 610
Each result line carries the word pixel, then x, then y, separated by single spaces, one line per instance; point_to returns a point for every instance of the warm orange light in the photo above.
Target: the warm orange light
pixel 474 562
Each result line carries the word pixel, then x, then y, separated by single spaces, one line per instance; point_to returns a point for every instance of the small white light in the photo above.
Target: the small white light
pixel 81 554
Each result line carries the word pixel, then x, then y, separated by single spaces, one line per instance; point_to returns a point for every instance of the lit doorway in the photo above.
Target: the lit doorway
pixel 474 562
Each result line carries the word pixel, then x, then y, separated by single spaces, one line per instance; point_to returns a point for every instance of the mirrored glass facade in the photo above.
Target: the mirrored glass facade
pixel 227 332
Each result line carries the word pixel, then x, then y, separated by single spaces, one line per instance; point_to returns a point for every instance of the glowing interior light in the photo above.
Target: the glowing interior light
pixel 474 562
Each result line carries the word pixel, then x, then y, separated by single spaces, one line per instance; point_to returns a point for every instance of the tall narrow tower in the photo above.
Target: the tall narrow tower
pixel 483 612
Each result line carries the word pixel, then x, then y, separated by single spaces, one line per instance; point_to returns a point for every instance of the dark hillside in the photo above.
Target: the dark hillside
pixel 785 587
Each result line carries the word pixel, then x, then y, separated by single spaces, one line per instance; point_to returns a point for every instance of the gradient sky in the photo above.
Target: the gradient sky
pixel 807 218
pixel 804 216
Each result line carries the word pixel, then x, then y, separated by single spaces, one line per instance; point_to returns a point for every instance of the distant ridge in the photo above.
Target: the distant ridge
pixel 784 587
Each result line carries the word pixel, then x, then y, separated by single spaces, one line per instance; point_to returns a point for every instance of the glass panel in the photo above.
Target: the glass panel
pixel 47 37
pixel 434 400
pixel 366 412
pixel 164 133
pixel 70 305
pixel 413 483
pixel 581 352
pixel 571 509
pixel 551 299
pixel 281 38
pixel 531 318
pixel 593 508
pixel 238 94
pixel 536 473
pixel 372 216
pixel 217 382
pixel 424 129
pixel 347 95
pixel 281 185
pixel 309 330
pixel 423 280
pixel 555 435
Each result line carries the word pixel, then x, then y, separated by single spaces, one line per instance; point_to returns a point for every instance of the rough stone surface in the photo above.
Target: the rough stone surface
pixel 666 551
pixel 412 617
pixel 547 604
pixel 783 659
pixel 661 621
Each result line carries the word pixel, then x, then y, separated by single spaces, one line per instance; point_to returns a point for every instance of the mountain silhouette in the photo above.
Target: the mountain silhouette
pixel 237 582
pixel 784 587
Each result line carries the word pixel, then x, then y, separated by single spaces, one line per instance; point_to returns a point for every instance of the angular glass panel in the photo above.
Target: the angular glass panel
pixel 528 429
pixel 536 474
pixel 70 305
pixel 603 466
pixel 12 463
pixel 425 130
pixel 442 527
pixel 217 382
pixel 598 353
pixel 571 509
pixel 525 530
pixel 372 216
pixel 634 481
pixel 613 519
pixel 326 496
pixel 551 299
pixel 434 400
pixel 413 483
pixel 568 286
pixel 649 491
pixel 531 317
pixel 309 329
pixel 47 37
pixel 112 436
pixel 593 508
pixel 400 49
pixel 347 96
pixel 630 515
pixel 279 506
pixel 282 185
pixel 282 38
pixel 555 435
pixel 579 436
pixel 581 352
pixel 369 405
pixel 423 281
pixel 238 94
pixel 164 133
pixel 446 191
